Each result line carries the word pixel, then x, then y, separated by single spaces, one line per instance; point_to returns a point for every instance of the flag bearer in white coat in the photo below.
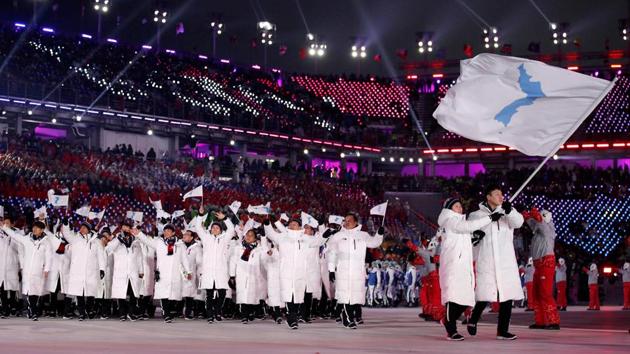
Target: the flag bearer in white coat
pixel 171 267
pixel 194 256
pixel 348 267
pixel 36 266
pixel 87 266
pixel 495 259
pixel 57 282
pixel 457 277
pixel 293 246
pixel 9 268
pixel 214 269
pixel 128 273
pixel 245 272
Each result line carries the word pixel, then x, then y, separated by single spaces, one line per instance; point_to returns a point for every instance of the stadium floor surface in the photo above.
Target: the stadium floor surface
pixel 396 330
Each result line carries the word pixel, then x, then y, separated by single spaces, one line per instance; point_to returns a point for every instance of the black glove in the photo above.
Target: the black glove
pixel 495 216
pixel 235 237
pixel 477 236
pixel 20 276
pixel 329 232
pixel 157 275
pixel 102 272
pixel 266 222
pixel 232 283
pixel 331 277
pixel 381 231
pixel 64 221
pixel 507 207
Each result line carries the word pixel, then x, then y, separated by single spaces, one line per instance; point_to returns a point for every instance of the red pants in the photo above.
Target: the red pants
pixel 545 308
pixel 561 299
pixel 494 307
pixel 593 296
pixel 432 297
pixel 530 295
pixel 626 295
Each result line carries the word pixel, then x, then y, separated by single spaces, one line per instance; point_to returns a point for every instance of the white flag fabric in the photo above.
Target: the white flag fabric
pixel 380 209
pixel 284 217
pixel 260 209
pixel 335 219
pixel 157 204
pixel 1 211
pixel 197 192
pixel 135 216
pixel 177 213
pixel 93 215
pixel 308 220
pixel 58 200
pixel 524 104
pixel 40 212
pixel 162 214
pixel 235 206
pixel 83 211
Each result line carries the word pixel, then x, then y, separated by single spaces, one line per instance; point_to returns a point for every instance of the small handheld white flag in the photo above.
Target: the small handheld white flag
pixel 57 200
pixel 335 219
pixel 308 220
pixel 235 206
pixel 380 209
pixel 157 204
pixel 135 216
pixel 41 212
pixel 177 213
pixel 83 211
pixel 1 211
pixel 260 209
pixel 93 215
pixel 197 192
pixel 161 214
pixel 284 217
pixel 524 104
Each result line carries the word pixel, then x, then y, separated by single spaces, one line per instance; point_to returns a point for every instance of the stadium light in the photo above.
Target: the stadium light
pixel 101 5
pixel 160 16
pixel 559 34
pixel 305 151
pixel 358 51
pixel 217 27
pixel 267 31
pixel 425 42
pixel 232 142
pixel 149 131
pixel 491 38
pixel 624 29
pixel 54 121
pixel 342 155
pixel 316 46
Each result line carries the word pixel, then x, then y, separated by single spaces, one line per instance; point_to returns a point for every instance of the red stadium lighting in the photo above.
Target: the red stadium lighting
pixel 615 66
pixel 607 270
pixel 438 76
pixel 573 68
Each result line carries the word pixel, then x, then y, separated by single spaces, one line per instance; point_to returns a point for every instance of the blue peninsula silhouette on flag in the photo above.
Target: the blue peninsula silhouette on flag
pixel 532 91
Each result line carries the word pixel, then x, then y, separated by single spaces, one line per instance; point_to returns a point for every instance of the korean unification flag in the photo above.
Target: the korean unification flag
pixel 197 192
pixel 83 211
pixel 157 204
pixel 135 216
pixel 524 104
pixel 308 220
pixel 335 219
pixel 177 213
pixel 380 209
pixel 57 200
pixel 235 206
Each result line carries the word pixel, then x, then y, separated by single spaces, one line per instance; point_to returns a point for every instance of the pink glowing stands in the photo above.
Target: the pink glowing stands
pixel 613 114
pixel 360 98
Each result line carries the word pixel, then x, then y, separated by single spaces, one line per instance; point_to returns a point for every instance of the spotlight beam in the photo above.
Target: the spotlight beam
pixel 388 65
pixel 23 36
pixel 91 54
pixel 176 16
pixel 540 11
pixel 299 7
pixel 474 14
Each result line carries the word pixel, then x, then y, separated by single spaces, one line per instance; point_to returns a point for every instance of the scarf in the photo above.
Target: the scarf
pixel 125 239
pixel 170 245
pixel 188 244
pixel 248 250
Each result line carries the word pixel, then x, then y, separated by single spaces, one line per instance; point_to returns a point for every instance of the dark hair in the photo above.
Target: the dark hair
pixel 354 216
pixel 39 224
pixel 491 188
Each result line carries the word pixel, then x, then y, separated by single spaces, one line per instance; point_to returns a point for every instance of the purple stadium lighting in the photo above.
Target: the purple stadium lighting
pixel 201 56
pixel 170 51
pixel 48 30
pixel 148 47
pixel 225 61
pixel 257 67
pixel 86 36
pixel 20 25
pixel 111 40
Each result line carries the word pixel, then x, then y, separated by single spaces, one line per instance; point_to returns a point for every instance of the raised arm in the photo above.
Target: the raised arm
pixel 463 226
pixel 514 219
pixel 69 235
pixel 271 234
pixel 143 238
pixel 374 241
pixel 112 246
pixel 14 235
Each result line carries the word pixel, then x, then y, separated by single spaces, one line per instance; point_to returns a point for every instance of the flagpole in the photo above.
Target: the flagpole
pixel 575 127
